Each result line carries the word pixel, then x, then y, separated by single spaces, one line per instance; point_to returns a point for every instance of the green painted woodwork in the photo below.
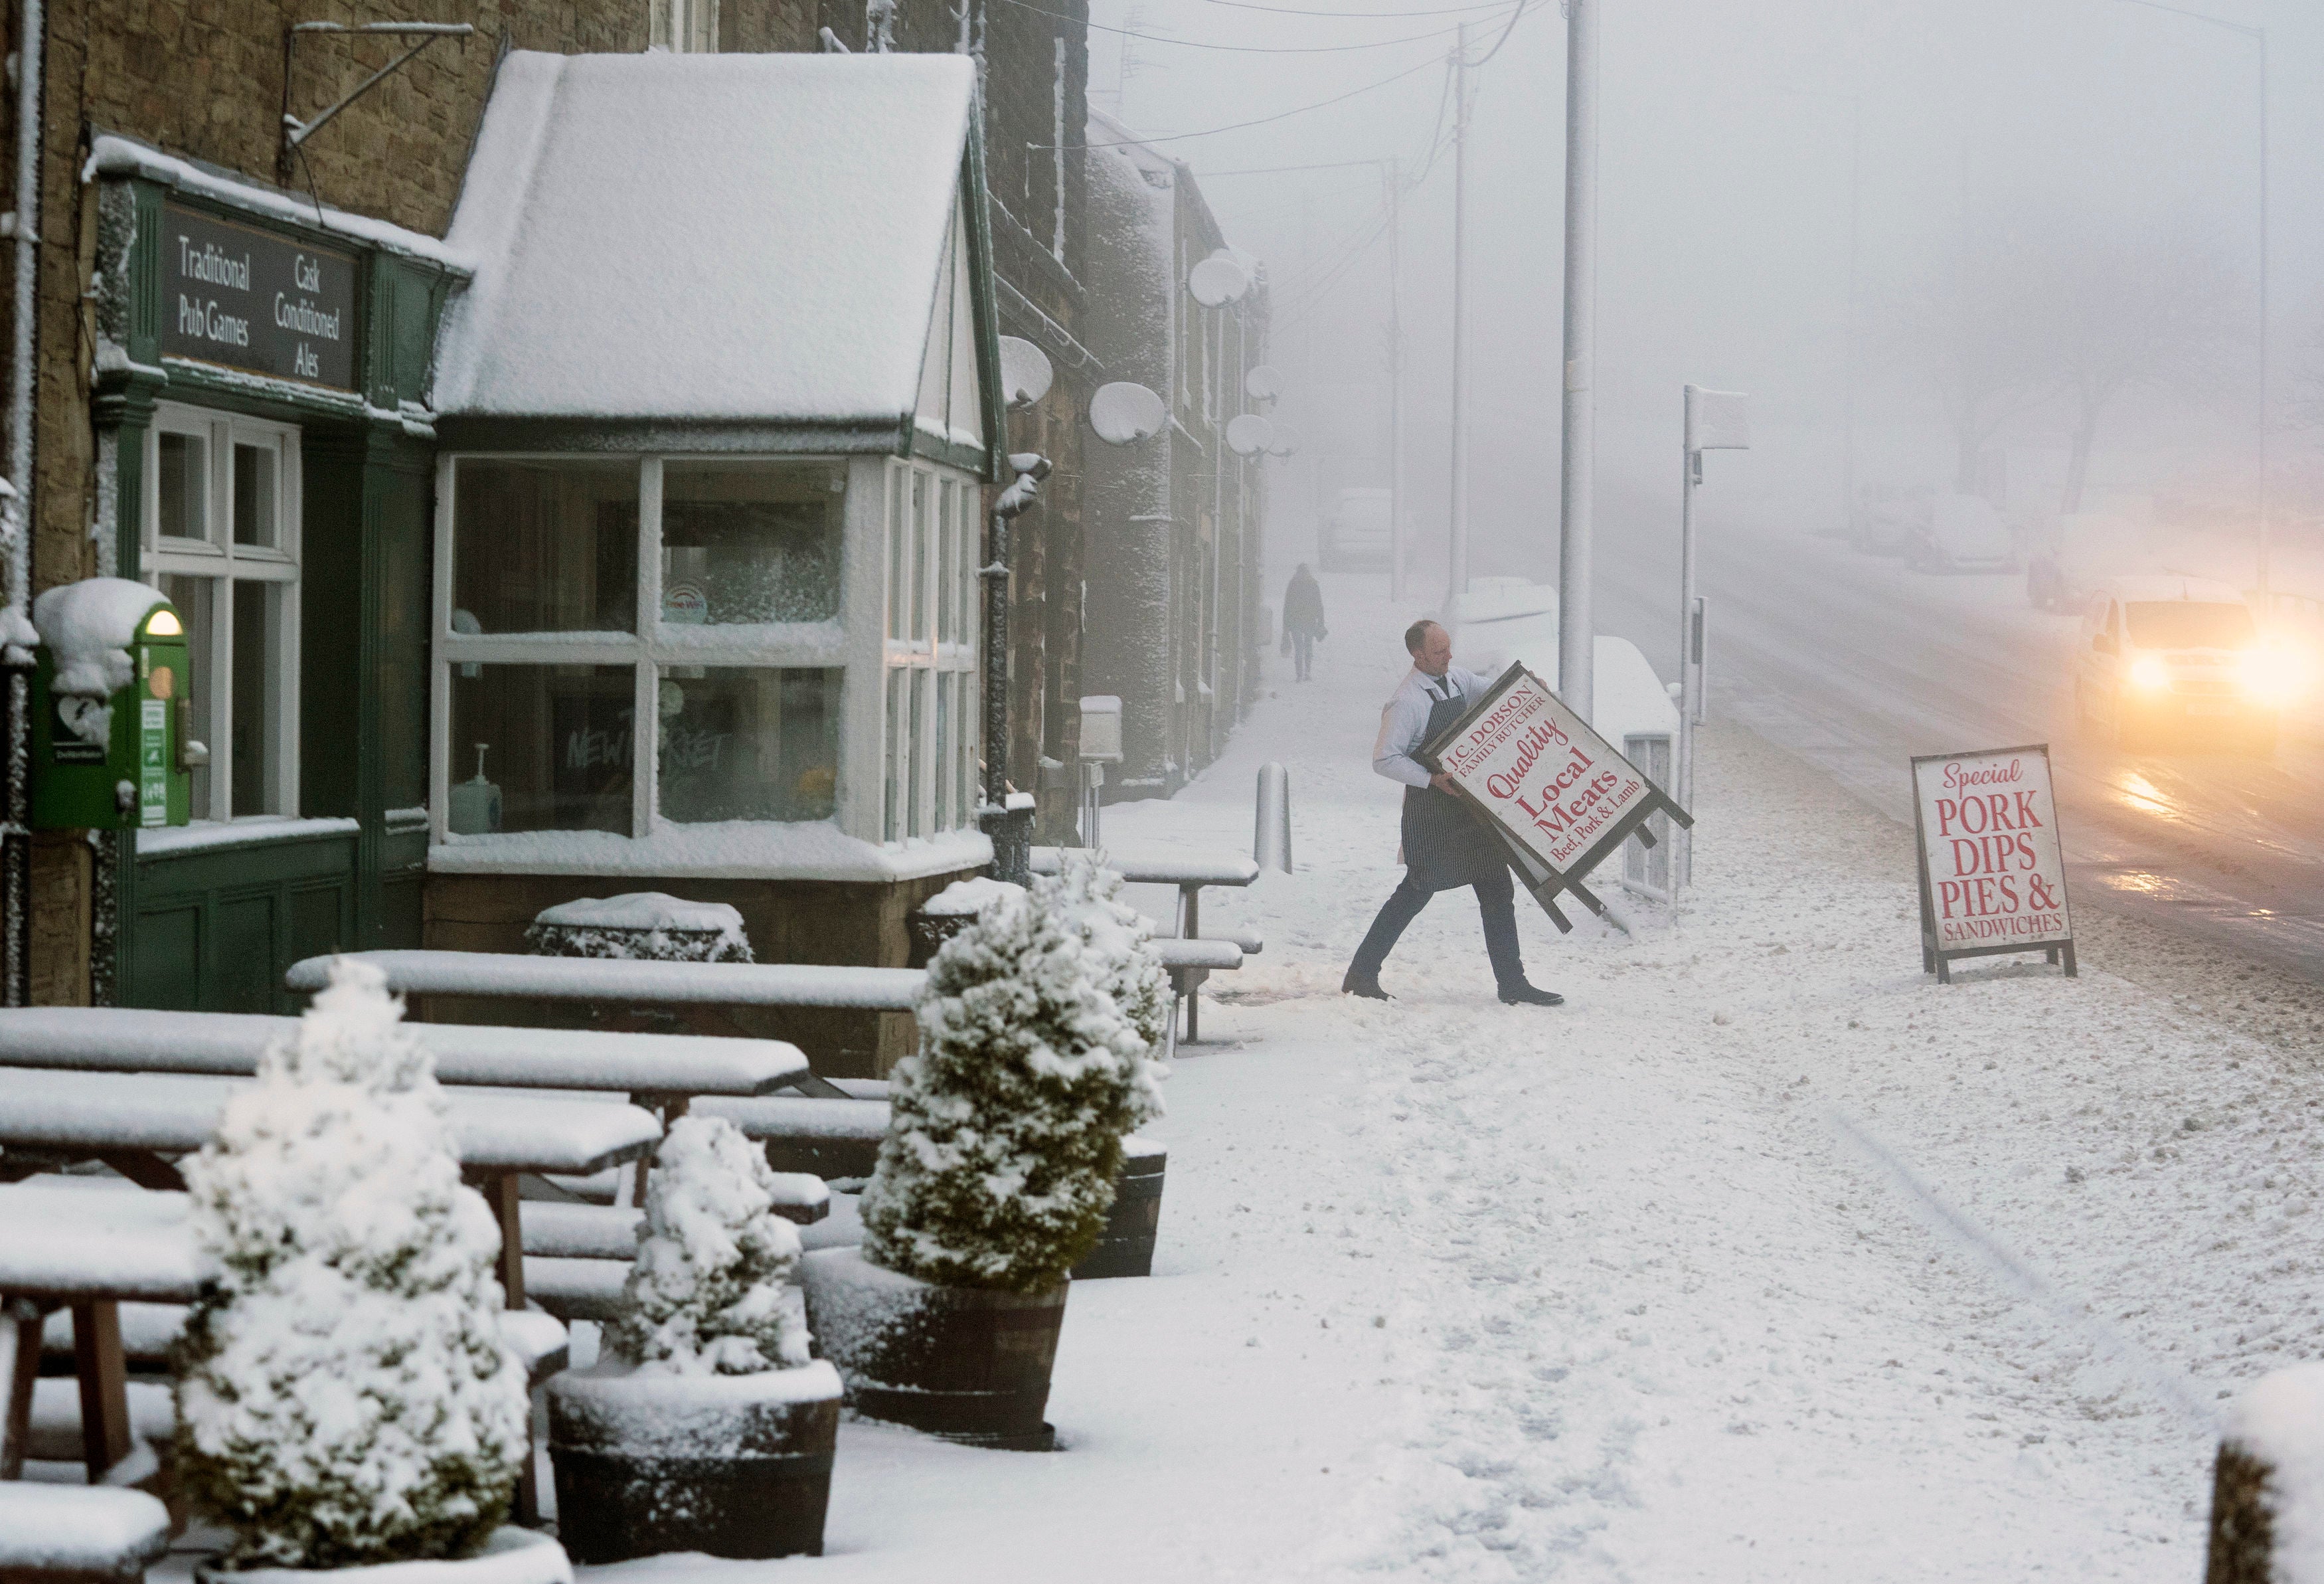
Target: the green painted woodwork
pixel 215 927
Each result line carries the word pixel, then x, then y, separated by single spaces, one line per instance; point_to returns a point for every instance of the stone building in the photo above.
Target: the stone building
pixel 1175 564
pixel 281 481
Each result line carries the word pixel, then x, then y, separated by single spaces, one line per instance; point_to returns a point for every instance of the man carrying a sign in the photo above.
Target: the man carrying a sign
pixel 1444 845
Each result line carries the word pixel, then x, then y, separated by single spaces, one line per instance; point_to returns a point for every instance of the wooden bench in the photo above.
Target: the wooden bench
pixel 74 1534
pixel 89 1248
pixel 830 1139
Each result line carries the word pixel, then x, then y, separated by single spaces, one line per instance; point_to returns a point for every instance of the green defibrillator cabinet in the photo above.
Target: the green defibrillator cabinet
pixel 113 744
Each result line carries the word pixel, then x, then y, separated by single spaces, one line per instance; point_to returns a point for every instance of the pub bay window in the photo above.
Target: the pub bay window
pixel 220 540
pixel 593 608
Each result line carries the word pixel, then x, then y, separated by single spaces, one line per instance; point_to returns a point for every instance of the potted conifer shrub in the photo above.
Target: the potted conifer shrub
pixel 705 1426
pixel 1038 1027
pixel 345 1399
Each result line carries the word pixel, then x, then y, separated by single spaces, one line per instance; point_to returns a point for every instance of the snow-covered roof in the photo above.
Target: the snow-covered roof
pixel 710 237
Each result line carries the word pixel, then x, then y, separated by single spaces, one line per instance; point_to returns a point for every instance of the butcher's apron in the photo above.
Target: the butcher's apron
pixel 1445 845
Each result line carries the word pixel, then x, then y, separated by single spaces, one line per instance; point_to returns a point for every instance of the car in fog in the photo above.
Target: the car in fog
pixel 1499 621
pixel 1962 533
pixel 2170 660
pixel 1887 518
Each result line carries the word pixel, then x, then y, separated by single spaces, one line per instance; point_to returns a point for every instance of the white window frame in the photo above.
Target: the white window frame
pixel 218 558
pixel 913 808
pixel 853 642
pixel 685 27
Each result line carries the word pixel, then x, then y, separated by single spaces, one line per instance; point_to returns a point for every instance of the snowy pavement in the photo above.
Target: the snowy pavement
pixel 1764 1258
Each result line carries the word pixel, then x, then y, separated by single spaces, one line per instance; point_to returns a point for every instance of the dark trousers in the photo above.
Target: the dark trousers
pixel 1303 653
pixel 1495 900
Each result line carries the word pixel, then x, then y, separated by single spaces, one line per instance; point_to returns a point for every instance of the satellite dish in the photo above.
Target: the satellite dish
pixel 1217 282
pixel 1249 434
pixel 1286 442
pixel 1124 413
pixel 1025 372
pixel 1243 256
pixel 1262 384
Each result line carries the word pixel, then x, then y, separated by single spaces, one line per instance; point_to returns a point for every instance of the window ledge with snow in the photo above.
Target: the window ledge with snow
pixel 814 849
pixel 211 834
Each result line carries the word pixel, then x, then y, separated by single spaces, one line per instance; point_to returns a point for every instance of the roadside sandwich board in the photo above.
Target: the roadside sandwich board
pixel 1993 878
pixel 1560 798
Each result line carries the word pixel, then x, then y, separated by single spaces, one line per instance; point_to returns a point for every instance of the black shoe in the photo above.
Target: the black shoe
pixel 1523 995
pixel 1370 989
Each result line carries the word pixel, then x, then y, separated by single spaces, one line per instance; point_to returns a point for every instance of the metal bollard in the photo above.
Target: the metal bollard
pixel 1270 841
pixel 2264 1484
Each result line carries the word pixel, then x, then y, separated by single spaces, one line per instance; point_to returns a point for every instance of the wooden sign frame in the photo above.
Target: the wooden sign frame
pixel 1544 878
pixel 2058 949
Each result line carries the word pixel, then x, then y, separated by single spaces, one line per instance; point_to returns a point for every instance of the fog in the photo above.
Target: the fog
pixel 2006 167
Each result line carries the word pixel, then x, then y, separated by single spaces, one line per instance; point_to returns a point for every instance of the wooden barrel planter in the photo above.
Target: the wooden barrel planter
pixel 962 1363
pixel 1126 1248
pixel 736 1465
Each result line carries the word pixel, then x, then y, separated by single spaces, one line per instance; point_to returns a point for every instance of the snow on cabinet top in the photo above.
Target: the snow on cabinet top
pixel 705 236
pixel 972 896
pixel 645 910
pixel 89 627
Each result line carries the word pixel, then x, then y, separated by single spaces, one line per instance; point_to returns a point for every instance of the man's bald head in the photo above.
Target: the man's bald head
pixel 1430 646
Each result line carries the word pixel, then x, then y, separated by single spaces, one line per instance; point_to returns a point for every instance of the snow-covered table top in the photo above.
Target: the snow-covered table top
pixel 92 1242
pixel 93 1112
pixel 1161 866
pixel 228 1045
pixel 628 982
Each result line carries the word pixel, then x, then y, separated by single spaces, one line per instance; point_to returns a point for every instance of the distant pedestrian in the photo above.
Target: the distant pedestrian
pixel 1302 620
pixel 1445 845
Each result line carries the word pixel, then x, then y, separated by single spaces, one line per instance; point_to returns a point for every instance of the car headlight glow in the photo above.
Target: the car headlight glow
pixel 2148 673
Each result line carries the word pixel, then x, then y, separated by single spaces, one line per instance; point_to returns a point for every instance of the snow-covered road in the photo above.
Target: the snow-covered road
pixel 1764 1258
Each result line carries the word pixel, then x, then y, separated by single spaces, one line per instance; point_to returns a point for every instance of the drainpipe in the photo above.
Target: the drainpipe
pixel 1010 827
pixel 17 520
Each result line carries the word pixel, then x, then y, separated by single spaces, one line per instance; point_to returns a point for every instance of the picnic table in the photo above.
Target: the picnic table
pixel 1190 873
pixel 134 1122
pixel 90 1245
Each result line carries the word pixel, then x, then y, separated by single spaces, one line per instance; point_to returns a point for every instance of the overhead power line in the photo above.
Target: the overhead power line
pixel 1238 126
pixel 1232 49
pixel 1359 15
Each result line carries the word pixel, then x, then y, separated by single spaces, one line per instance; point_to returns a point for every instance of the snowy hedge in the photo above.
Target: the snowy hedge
pixel 343 1395
pixel 710 1291
pixel 1038 1032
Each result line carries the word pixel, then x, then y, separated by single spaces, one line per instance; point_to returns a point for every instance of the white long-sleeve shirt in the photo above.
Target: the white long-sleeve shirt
pixel 1404 722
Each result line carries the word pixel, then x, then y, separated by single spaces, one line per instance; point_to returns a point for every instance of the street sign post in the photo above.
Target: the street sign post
pixel 1993 878
pixel 1561 797
pixel 1716 421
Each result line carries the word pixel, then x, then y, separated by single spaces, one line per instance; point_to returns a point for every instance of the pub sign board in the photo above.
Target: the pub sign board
pixel 1561 797
pixel 1993 876
pixel 256 301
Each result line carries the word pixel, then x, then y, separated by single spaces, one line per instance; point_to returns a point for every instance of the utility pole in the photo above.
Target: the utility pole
pixel 1575 622
pixel 1395 381
pixel 1457 583
pixel 1848 367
